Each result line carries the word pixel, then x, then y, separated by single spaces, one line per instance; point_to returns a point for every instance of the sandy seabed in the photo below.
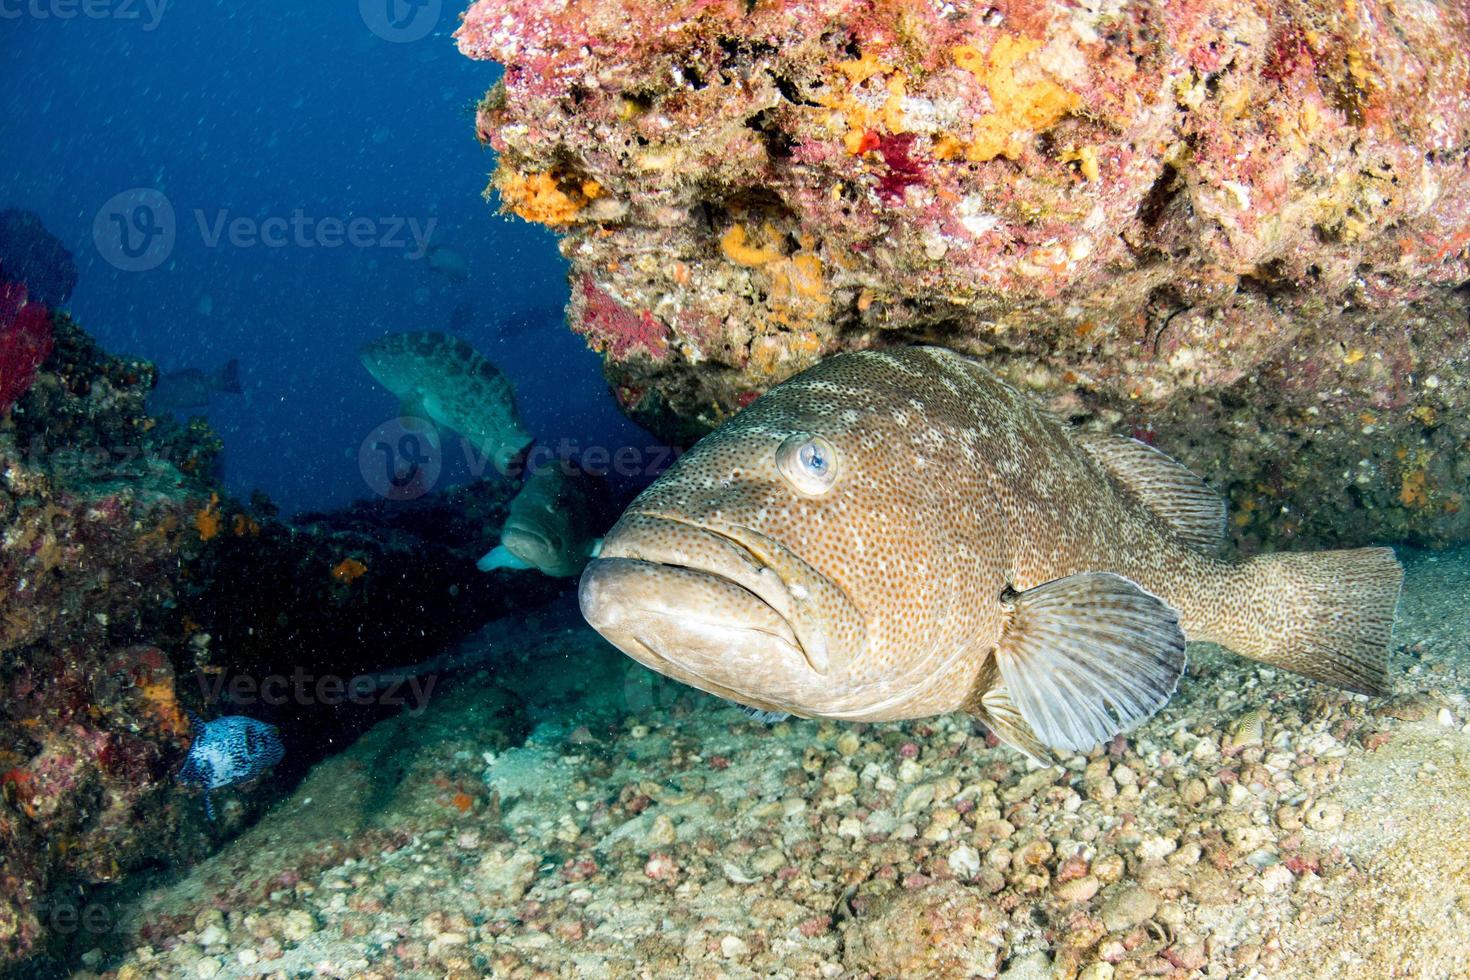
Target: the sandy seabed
pixel 1259 826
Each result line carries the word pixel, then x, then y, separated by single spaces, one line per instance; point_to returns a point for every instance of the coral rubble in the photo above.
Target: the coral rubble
pixel 1233 230
pixel 1260 826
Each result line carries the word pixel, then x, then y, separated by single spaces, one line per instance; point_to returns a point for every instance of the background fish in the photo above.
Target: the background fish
pixel 191 388
pixel 553 524
pixel 229 750
pixel 445 380
pixel 898 534
pixel 448 262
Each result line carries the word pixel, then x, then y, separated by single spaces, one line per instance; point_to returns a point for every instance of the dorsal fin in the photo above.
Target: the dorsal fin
pixel 1170 492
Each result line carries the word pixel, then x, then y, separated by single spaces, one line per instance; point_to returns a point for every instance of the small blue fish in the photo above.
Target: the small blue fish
pixel 227 751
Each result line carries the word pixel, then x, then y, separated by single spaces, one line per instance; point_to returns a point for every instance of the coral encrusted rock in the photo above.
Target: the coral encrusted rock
pixel 1235 230
pixel 96 501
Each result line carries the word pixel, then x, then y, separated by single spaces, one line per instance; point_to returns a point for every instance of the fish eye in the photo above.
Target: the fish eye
pixel 808 462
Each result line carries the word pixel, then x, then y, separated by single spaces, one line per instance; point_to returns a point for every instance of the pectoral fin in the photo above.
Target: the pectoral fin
pixel 991 703
pixel 415 419
pixel 500 557
pixel 1086 657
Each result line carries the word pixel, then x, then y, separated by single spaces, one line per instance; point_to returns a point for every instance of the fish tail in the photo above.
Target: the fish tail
pixel 1326 615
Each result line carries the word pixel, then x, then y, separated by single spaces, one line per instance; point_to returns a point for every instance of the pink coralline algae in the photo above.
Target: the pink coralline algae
pixel 1238 227
pixel 25 342
pixel 613 329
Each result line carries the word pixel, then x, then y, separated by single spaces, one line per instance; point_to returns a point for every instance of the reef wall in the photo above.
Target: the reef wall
pixel 134 590
pixel 1235 230
pixel 96 508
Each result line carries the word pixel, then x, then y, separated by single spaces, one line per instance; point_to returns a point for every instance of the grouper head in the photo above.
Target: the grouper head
pixel 782 561
pixel 548 544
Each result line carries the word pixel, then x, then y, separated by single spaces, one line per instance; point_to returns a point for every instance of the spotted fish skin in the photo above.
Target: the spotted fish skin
pixel 229 750
pixel 972 552
pixel 445 380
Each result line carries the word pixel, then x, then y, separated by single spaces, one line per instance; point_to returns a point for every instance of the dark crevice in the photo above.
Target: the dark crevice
pixel 1268 279
pixel 779 143
pixel 790 92
pixel 1164 189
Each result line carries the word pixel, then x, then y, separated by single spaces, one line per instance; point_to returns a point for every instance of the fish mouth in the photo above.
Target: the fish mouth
pixel 719 606
pixel 523 540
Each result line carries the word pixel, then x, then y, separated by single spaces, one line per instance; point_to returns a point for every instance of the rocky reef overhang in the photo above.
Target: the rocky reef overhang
pixel 1234 230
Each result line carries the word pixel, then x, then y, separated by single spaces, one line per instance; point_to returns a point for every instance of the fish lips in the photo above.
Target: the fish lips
pixel 721 607
pixel 526 542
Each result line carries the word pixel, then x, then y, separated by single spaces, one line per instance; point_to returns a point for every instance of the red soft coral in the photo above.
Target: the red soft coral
pixel 25 342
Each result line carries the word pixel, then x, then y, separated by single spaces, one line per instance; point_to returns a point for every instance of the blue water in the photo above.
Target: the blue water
pixel 270 111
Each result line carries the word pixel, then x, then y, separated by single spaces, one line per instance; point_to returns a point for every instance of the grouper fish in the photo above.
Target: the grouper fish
pixel 443 380
pixel 897 534
pixel 551 525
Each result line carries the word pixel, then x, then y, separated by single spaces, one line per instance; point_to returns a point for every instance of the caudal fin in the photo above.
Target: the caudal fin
pixel 1326 615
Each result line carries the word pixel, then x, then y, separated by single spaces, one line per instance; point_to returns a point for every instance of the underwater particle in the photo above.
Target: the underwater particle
pixel 227 751
pixel 26 340
pixel 31 255
pixel 348 570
